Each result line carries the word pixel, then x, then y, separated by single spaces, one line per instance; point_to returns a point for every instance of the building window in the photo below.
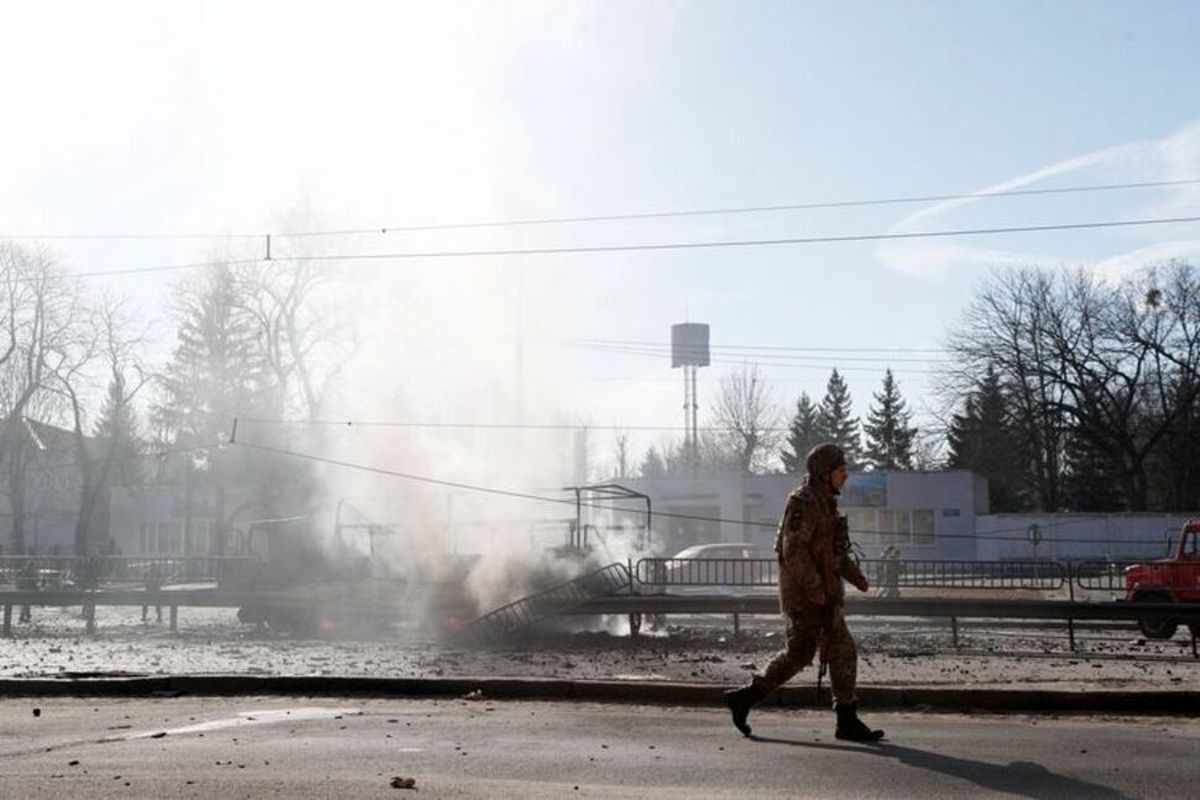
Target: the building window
pixel 864 526
pixel 167 538
pixel 922 526
pixel 896 525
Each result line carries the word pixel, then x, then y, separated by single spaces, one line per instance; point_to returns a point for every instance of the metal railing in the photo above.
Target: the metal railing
pixel 707 571
pixel 52 572
pixel 677 572
pixel 931 574
pixel 38 572
pixel 1101 575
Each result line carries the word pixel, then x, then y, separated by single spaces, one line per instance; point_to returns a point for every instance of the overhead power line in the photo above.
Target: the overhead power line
pixel 769 348
pixel 827 365
pixel 770 358
pixel 654 247
pixel 640 215
pixel 515 426
pixel 708 212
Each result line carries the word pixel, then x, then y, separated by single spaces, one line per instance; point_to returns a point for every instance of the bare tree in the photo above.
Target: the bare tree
pixel 1159 318
pixel 1004 329
pixel 104 337
pixel 750 419
pixel 304 344
pixel 1110 370
pixel 621 453
pixel 38 318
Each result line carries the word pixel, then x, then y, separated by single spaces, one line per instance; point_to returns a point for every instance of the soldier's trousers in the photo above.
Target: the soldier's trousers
pixel 804 632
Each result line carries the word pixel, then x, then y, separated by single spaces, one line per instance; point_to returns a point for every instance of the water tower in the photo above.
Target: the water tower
pixel 689 349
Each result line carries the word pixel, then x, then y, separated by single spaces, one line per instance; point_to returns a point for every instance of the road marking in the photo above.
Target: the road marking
pixel 272 716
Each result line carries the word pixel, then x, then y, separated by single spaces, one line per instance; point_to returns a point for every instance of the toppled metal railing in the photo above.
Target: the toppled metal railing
pixel 556 600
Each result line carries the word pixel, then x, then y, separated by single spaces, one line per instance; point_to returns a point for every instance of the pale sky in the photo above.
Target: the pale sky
pixel 232 118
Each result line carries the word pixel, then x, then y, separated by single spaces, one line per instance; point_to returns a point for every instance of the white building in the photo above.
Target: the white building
pixel 927 515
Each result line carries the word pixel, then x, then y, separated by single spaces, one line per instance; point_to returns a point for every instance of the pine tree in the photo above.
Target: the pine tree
pixel 1093 479
pixel 217 372
pixel 116 428
pixel 889 434
pixel 803 435
pixel 652 465
pixel 982 438
pixel 963 436
pixel 835 423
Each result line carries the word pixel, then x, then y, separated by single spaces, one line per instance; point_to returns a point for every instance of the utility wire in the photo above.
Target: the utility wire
pixel 754 347
pixel 661 514
pixel 931 198
pixel 349 423
pixel 629 351
pixel 385 229
pixel 762 358
pixel 651 247
pixel 626 248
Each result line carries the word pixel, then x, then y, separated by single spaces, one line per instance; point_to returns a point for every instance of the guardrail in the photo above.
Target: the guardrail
pixel 635 606
pixel 595 593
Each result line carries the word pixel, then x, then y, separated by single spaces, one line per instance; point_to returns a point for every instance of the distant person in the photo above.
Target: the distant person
pixel 890 570
pixel 813 548
pixel 27 581
pixel 154 583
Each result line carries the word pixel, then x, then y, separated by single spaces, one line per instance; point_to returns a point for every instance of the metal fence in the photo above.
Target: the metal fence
pixel 682 572
pixel 1101 575
pixel 53 572
pixel 1041 575
pixel 707 571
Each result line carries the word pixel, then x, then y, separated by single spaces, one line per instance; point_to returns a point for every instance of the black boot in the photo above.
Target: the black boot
pixel 740 701
pixel 850 727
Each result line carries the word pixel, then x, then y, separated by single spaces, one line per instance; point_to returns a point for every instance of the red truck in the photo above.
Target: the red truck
pixel 1169 580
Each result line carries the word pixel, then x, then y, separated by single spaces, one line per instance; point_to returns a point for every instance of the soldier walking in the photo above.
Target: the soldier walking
pixel 813 548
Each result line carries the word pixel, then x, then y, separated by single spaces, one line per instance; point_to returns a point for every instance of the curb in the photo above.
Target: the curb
pixel 670 693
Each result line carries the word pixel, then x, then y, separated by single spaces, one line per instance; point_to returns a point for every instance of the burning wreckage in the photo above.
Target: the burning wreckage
pixel 362 579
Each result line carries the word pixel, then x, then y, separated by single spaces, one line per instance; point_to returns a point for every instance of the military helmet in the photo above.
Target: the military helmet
pixel 824 459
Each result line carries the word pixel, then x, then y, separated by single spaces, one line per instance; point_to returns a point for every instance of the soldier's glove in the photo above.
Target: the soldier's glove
pixel 862 585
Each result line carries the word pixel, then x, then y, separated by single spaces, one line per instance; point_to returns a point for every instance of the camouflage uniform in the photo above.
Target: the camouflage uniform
pixel 813 545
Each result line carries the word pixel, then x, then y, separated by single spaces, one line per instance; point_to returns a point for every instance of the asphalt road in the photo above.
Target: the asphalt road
pixel 354 747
